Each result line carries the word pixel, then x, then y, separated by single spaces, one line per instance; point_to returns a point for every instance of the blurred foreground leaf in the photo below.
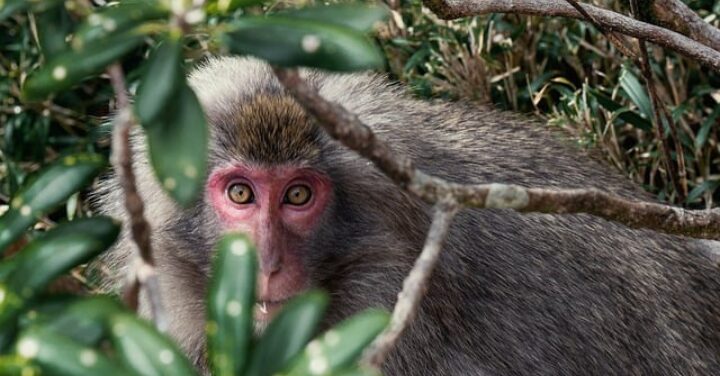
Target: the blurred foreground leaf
pixel 287 41
pixel 287 334
pixel 50 187
pixel 231 305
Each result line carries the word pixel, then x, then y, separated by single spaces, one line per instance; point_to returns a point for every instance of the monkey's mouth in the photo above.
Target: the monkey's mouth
pixel 265 310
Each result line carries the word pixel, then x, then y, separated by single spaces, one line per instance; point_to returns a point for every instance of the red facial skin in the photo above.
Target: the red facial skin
pixel 276 227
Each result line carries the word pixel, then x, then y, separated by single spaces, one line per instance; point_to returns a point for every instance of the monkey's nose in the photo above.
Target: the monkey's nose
pixel 270 265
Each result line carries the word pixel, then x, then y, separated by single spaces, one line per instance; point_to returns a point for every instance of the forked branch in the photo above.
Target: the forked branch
pixel 449 197
pixel 612 21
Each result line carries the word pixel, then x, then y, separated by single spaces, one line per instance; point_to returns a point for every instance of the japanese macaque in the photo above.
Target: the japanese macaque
pixel 513 294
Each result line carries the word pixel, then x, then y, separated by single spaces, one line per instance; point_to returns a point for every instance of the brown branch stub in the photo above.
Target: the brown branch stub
pixel 612 21
pixel 414 287
pixel 144 272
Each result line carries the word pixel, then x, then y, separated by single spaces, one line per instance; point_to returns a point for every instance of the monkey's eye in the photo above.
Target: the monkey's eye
pixel 240 193
pixel 298 195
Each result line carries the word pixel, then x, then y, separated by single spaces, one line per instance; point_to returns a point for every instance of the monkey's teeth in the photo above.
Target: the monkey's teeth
pixel 263 307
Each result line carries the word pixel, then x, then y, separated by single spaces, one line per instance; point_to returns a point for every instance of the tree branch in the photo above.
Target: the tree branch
pixel 677 16
pixel 144 275
pixel 348 129
pixel 449 197
pixel 451 9
pixel 414 287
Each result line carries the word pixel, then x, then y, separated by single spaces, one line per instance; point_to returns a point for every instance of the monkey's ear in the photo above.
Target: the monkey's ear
pixel 231 304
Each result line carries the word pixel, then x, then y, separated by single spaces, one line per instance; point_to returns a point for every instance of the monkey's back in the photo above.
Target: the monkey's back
pixel 541 294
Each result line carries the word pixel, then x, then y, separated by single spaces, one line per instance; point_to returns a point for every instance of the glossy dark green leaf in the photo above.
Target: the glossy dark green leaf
pixel 117 19
pixel 53 26
pixel 68 68
pixel 178 147
pixel 287 334
pixel 58 355
pixel 13 365
pixel 162 80
pixel 59 250
pixel 360 17
pixel 341 346
pixel 10 7
pixel 144 350
pixel 84 320
pixel 230 305
pixel 291 42
pixel 227 6
pixel 50 187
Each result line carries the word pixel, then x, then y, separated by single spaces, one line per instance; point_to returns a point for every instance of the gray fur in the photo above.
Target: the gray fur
pixel 513 294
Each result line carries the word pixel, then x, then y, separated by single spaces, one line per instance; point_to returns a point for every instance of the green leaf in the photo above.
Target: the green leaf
pixel 53 26
pixel 10 7
pixel 13 365
pixel 57 355
pixel 82 320
pixel 623 113
pixel 341 346
pixel 52 185
pixel 705 128
pixel 178 147
pixel 231 304
pixel 227 6
pixel 287 334
pixel 707 185
pixel 359 17
pixel 117 19
pixel 161 81
pixel 68 68
pixel 59 250
pixel 145 351
pixel 636 92
pixel 292 42
pixel 46 258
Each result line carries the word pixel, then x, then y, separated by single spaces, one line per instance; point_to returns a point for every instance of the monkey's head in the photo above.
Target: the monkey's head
pixel 305 200
pixel 265 185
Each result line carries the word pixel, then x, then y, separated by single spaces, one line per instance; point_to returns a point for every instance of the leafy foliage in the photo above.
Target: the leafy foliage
pixel 56 50
pixel 55 140
pixel 566 72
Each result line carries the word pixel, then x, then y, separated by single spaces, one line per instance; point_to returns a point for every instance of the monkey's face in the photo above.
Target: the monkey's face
pixel 279 207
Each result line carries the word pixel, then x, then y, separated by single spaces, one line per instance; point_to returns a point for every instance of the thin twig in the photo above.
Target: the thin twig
pixel 414 287
pixel 452 9
pixel 673 172
pixel 145 274
pixel 615 39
